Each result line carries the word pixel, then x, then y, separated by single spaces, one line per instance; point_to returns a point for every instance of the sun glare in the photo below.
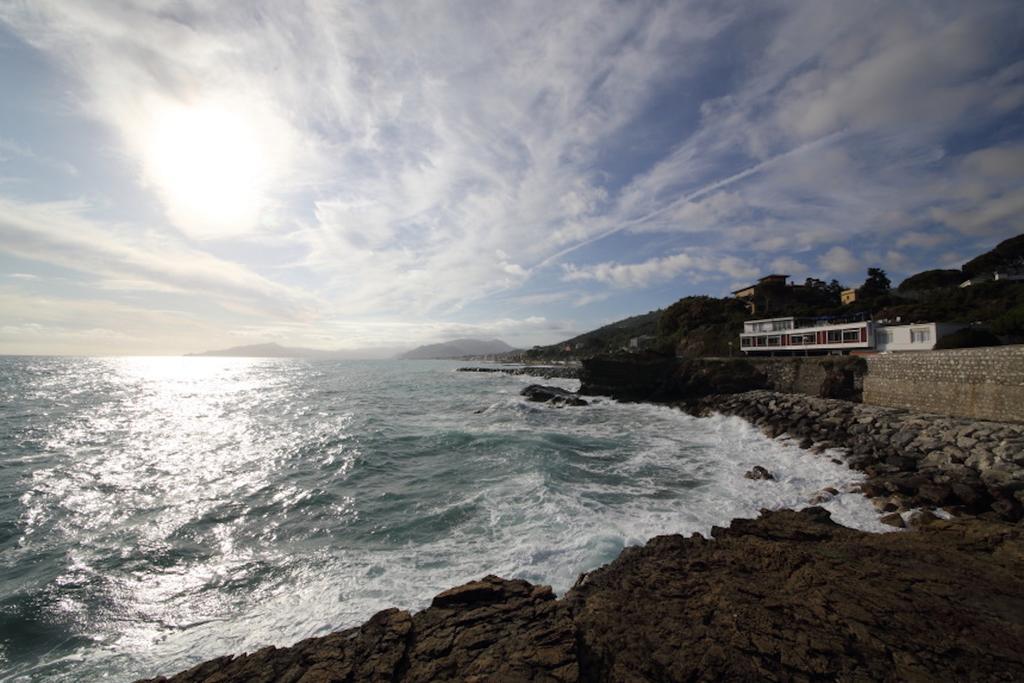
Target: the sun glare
pixel 210 166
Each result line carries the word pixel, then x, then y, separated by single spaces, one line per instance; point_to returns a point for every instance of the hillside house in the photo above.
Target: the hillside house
pixel 765 294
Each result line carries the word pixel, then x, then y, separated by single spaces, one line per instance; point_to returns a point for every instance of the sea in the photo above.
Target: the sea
pixel 158 512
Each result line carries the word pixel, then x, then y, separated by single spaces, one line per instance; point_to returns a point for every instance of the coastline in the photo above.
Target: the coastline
pixel 790 595
pixel 494 629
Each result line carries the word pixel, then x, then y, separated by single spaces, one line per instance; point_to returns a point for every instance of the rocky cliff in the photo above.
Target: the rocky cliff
pixel 653 377
pixel 788 596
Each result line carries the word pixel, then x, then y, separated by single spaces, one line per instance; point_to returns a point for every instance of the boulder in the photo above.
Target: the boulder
pixel 553 395
pixel 759 473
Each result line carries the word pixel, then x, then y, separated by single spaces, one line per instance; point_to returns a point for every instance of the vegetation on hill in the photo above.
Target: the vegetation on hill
pixel 1007 254
pixel 931 279
pixel 611 337
pixel 968 338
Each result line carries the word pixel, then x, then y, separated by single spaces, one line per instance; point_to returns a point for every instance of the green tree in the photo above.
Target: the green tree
pixel 877 284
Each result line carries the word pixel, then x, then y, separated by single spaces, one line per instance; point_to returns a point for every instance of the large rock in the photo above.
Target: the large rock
pixel 793 596
pixel 487 630
pixel 554 395
pixel 628 377
pixel 788 596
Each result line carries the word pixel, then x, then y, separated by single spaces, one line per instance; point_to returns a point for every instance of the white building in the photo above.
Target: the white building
pixel 919 337
pixel 788 336
pixel 791 335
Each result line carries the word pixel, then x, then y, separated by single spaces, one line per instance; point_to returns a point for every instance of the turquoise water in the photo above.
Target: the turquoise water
pixel 156 512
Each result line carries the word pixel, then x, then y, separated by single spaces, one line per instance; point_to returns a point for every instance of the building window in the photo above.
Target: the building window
pixel 774 340
pixel 920 336
pixel 834 336
pixel 744 341
pixel 850 336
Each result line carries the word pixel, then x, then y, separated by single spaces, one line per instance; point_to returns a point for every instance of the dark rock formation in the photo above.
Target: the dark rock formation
pixel 552 395
pixel 490 629
pixel 632 377
pixel 652 377
pixel 793 596
pixel 760 473
pixel 789 596
pixel 544 371
pixel 911 459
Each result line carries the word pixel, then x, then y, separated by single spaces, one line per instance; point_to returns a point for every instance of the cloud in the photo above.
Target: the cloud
pixel 10 147
pixel 415 163
pixel 635 275
pixel 921 239
pixel 58 233
pixel 787 264
pixel 839 260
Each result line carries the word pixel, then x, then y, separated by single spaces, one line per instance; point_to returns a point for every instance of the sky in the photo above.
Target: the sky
pixel 179 176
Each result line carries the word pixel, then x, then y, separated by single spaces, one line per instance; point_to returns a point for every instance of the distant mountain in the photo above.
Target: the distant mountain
pixel 272 350
pixel 458 348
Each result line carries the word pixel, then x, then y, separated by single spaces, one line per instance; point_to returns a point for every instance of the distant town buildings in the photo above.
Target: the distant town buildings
pixel 997 276
pixel 641 342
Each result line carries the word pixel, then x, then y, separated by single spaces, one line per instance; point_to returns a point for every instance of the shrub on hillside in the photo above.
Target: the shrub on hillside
pixel 968 338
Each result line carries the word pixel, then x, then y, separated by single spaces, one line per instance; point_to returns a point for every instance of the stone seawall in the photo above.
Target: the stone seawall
pixel 911 459
pixel 826 376
pixel 986 383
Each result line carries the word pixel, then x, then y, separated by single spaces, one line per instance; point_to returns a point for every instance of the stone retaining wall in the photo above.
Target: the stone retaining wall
pixel 911 459
pixel 812 375
pixel 986 383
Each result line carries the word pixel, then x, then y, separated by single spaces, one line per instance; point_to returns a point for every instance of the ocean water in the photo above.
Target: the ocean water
pixel 156 512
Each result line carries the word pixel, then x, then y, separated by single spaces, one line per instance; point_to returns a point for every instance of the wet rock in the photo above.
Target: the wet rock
pixel 759 473
pixel 922 518
pixel 553 395
pixel 894 519
pixel 823 496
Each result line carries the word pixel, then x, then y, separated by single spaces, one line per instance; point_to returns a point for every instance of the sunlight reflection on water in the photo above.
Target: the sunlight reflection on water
pixel 170 463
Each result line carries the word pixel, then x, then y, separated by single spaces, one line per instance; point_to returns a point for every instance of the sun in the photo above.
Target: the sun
pixel 210 167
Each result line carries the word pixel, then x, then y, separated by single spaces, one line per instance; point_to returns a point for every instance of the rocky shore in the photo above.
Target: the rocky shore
pixel 911 459
pixel 543 371
pixel 788 596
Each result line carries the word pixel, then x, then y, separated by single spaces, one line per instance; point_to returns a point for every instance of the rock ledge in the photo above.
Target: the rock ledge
pixel 788 596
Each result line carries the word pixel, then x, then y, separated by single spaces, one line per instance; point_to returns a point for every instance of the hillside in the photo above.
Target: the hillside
pixel 610 337
pixel 457 348
pixel 708 326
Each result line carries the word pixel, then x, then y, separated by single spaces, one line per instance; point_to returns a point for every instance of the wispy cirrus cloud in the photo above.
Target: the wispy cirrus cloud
pixel 57 233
